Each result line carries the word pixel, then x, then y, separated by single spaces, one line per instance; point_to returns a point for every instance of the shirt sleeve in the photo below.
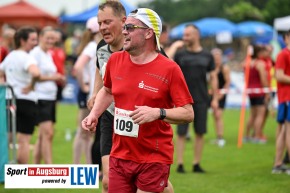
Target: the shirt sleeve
pixel 281 61
pixel 90 50
pixel 176 57
pixel 33 54
pixel 100 44
pixel 211 65
pixel 107 76
pixel 178 88
pixel 30 61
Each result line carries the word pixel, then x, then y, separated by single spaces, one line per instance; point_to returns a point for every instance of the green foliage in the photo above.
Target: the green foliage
pixel 175 12
pixel 276 8
pixel 243 11
pixel 178 11
pixel 229 169
pixel 260 4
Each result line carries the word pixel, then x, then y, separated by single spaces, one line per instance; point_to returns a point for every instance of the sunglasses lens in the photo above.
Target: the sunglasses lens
pixel 128 27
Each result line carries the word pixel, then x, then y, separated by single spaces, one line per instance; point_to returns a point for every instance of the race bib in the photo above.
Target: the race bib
pixel 123 124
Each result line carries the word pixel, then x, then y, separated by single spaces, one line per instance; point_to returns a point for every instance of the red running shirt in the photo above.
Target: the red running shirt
pixel 283 62
pixel 255 80
pixel 58 56
pixel 158 84
pixel 3 53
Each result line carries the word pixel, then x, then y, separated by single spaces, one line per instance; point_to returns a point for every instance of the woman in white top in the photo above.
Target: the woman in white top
pixel 46 91
pixel 21 70
pixel 85 68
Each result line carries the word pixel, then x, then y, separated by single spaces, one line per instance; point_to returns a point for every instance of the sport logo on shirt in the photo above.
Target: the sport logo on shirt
pixel 142 85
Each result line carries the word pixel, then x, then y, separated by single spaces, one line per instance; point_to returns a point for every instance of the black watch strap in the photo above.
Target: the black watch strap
pixel 162 114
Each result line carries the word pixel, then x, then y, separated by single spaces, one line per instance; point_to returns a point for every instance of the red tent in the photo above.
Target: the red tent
pixel 23 13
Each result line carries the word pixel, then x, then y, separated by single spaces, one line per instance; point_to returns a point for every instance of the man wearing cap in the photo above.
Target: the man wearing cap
pixel 148 98
pixel 111 17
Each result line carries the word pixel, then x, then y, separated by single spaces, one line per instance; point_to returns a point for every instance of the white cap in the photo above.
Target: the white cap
pixel 93 24
pixel 151 19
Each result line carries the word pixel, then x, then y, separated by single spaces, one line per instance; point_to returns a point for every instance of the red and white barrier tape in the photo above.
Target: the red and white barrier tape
pixel 249 90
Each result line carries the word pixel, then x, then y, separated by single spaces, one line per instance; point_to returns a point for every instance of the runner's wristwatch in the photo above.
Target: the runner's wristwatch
pixel 162 114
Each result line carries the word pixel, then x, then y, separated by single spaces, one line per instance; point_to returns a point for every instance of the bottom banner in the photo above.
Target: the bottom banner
pixel 51 176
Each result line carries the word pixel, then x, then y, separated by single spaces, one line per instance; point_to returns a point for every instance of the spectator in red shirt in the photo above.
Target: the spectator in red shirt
pixel 6 42
pixel 59 57
pixel 257 80
pixel 283 117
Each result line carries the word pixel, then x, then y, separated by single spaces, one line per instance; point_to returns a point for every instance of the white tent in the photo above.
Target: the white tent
pixel 282 23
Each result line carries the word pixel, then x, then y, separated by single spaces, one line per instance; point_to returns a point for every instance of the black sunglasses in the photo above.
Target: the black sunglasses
pixel 131 27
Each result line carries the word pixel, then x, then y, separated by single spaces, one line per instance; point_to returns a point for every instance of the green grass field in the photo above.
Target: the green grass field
pixel 229 169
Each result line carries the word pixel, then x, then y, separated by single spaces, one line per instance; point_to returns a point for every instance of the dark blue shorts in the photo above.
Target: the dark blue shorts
pixel 283 112
pixel 82 99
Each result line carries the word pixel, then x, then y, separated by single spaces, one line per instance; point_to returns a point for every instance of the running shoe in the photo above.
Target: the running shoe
pixel 280 169
pixel 197 169
pixel 221 142
pixel 180 168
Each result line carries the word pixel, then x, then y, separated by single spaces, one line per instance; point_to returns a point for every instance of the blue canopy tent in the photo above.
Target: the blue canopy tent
pixel 277 43
pixel 208 27
pixel 267 40
pixel 212 26
pixel 84 16
pixel 177 31
pixel 253 29
pixel 260 33
pixel 80 17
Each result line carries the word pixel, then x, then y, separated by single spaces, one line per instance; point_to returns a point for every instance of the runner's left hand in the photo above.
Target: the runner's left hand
pixel 145 114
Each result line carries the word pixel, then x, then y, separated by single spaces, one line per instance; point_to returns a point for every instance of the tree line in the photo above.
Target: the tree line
pixel 178 11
